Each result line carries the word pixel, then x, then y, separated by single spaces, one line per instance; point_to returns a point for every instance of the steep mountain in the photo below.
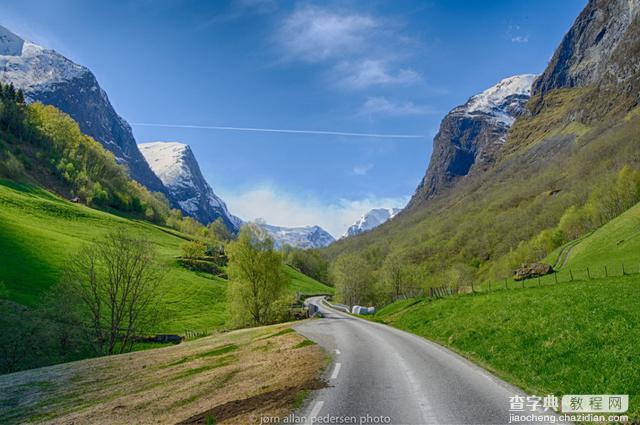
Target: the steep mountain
pixel 371 220
pixel 298 237
pixel 565 166
pixel 48 77
pixel 177 168
pixel 471 135
pixel 601 47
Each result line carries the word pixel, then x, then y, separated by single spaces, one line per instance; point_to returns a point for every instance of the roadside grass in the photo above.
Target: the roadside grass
pixel 572 338
pixel 226 377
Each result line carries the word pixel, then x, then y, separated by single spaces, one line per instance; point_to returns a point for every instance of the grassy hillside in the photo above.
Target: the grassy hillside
pixel 228 378
pixel 614 244
pixel 304 284
pixel 39 231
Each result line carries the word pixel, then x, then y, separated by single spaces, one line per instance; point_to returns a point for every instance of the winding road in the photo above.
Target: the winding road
pixel 386 375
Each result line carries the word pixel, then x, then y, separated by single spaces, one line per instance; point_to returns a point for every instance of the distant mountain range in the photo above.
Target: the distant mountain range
pixel 177 168
pixel 299 237
pixel 371 220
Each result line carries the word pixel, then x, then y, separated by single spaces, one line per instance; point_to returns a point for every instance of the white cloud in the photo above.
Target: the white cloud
pixel 362 169
pixel 359 50
pixel 285 209
pixel 314 34
pixel 370 72
pixel 384 106
pixel 520 39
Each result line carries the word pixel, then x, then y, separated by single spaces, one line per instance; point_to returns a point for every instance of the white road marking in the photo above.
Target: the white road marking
pixel 314 412
pixel 337 351
pixel 336 371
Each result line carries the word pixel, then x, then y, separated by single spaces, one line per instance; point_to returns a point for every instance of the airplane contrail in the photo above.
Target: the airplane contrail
pixel 282 130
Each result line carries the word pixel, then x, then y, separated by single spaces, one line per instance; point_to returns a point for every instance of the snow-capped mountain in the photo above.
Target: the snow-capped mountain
pixel 297 237
pixel 371 220
pixel 503 102
pixel 178 169
pixel 471 135
pixel 48 77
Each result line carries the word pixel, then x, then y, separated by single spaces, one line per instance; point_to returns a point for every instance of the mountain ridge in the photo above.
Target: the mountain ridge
pixel 177 167
pixel 471 135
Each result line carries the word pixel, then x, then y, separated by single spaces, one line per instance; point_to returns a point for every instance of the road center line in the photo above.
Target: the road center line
pixel 336 371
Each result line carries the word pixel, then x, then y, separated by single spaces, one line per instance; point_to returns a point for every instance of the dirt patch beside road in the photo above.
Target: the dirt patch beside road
pixel 230 377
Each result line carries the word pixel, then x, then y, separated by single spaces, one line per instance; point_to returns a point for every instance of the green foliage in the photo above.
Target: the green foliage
pixel 193 249
pixel 308 262
pixel 257 283
pixel 47 146
pixel 218 232
pixel 352 277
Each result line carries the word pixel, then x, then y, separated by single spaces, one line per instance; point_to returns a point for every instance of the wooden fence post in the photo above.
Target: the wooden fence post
pixel 555 275
pixel 489 286
pixel 606 272
pixel 571 273
pixel 588 274
pixel 623 273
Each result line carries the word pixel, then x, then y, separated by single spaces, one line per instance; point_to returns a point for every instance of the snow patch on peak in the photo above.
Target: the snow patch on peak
pixel 30 66
pixel 298 237
pixel 371 220
pixel 498 100
pixel 178 169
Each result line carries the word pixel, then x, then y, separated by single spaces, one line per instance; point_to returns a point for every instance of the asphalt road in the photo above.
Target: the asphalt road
pixel 385 375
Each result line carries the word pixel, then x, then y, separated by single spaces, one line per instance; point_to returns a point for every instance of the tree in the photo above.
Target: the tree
pixel 353 279
pixel 218 231
pixel 394 277
pixel 117 279
pixel 258 283
pixel 193 249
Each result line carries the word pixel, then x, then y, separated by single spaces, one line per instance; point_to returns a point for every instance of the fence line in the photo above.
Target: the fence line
pixel 565 275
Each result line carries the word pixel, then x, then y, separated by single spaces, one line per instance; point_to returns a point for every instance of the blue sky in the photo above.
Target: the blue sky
pixel 375 67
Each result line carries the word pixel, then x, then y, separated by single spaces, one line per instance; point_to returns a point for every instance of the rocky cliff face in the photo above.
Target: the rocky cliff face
pixel 371 220
pixel 178 169
pixel 298 237
pixel 471 135
pixel 48 77
pixel 600 47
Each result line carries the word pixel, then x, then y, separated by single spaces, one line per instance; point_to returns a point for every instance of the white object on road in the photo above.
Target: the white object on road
pixel 358 309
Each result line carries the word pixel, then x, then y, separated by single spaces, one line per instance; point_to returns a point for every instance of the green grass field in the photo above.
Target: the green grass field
pixel 39 231
pixel 571 338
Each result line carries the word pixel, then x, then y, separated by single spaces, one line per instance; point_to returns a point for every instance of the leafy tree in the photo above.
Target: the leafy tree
pixel 193 249
pixel 353 279
pixel 218 231
pixel 257 282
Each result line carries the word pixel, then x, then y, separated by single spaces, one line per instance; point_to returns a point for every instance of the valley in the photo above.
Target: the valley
pixel 502 272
